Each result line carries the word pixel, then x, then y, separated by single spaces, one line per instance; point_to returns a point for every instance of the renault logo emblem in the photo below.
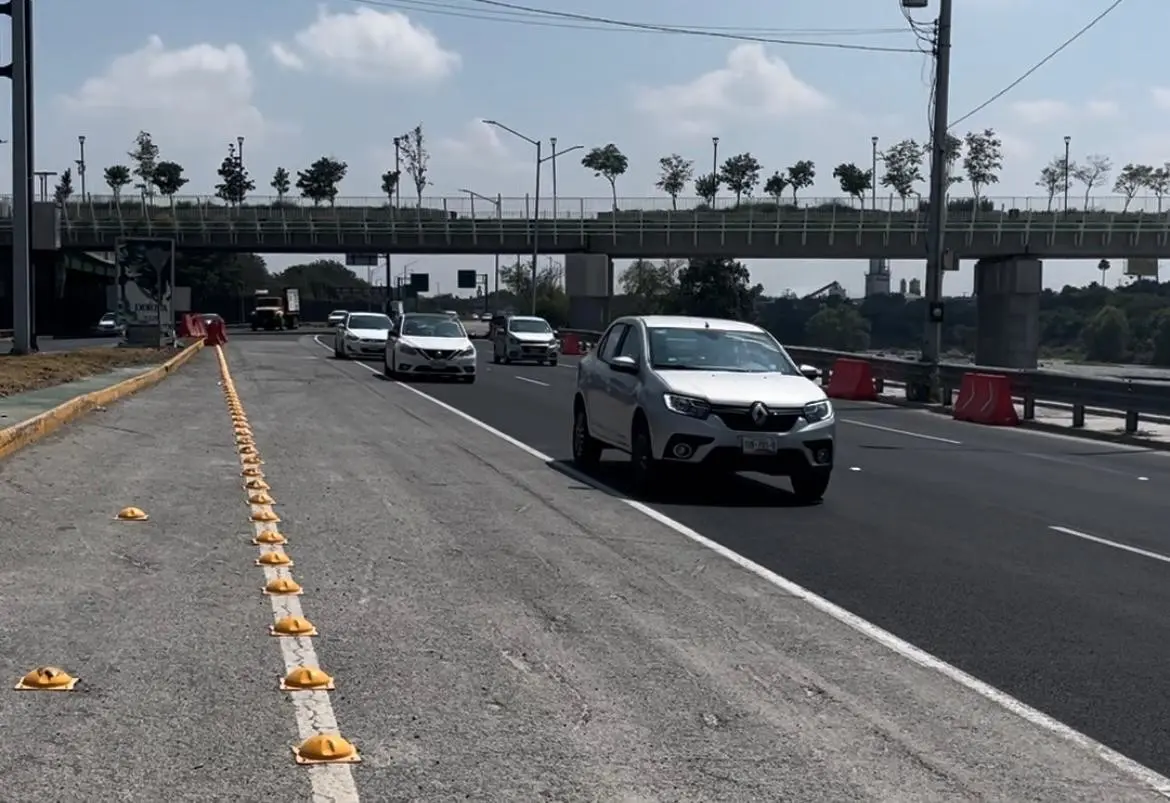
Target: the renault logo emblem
pixel 759 414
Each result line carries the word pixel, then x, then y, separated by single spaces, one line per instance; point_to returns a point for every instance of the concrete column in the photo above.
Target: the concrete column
pixel 589 285
pixel 1007 296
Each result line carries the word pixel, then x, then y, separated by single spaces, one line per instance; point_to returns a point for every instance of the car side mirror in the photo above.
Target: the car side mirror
pixel 810 372
pixel 624 365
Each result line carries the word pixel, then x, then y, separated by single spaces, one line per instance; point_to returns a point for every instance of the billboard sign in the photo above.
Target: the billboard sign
pixel 361 260
pixel 1142 268
pixel 145 283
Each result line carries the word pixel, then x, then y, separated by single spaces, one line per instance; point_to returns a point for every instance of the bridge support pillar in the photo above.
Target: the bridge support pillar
pixel 1007 298
pixel 589 285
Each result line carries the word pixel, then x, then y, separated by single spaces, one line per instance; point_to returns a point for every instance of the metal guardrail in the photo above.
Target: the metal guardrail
pixel 1130 398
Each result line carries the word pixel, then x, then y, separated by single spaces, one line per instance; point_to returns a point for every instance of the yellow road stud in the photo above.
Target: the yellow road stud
pixel 132 514
pixel 326 748
pixel 269 538
pixel 304 678
pixel 265 516
pixel 251 471
pixel 47 678
pixel 260 498
pixel 274 559
pixel 256 485
pixel 294 626
pixel 283 587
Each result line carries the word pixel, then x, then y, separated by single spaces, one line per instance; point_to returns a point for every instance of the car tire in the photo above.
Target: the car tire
pixel 586 449
pixel 470 380
pixel 387 371
pixel 495 358
pixel 645 470
pixel 552 363
pixel 809 486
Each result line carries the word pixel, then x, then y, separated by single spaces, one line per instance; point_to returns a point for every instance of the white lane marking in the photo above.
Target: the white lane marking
pixel 313 709
pixel 533 381
pixel 1144 775
pixel 905 432
pixel 1096 539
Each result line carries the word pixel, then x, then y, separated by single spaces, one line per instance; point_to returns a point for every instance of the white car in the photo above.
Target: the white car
pixel 336 317
pixel 361 334
pixel 525 338
pixel 704 394
pixel 429 344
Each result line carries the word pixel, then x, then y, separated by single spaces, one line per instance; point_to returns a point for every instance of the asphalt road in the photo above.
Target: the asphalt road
pixel 500 630
pixel 942 533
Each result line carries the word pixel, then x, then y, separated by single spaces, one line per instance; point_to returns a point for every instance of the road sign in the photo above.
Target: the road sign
pixel 420 282
pixel 467 279
pixel 361 260
pixel 1142 268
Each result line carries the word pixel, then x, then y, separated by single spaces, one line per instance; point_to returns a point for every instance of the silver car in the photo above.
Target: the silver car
pixel 525 338
pixel 706 394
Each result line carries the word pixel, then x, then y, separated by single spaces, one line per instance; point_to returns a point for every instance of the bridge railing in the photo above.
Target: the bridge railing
pixel 1128 399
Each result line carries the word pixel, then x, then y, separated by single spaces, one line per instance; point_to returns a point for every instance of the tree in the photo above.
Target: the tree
pixel 1159 183
pixel 716 288
pixel 319 182
pixel 952 150
pixel 1106 335
pixel 552 303
pixel 983 160
pixel 1053 179
pixel 234 183
pixel 281 183
pixel 775 186
pixel 117 178
pixel 390 184
pixel 1161 326
pixel 903 163
pixel 652 285
pixel 741 174
pixel 801 176
pixel 854 181
pixel 674 173
pixel 838 326
pixel 1093 173
pixel 707 187
pixel 144 157
pixel 64 188
pixel 168 179
pixel 1131 179
pixel 416 159
pixel 609 163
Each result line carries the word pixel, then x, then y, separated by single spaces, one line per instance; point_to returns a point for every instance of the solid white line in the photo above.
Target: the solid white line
pixel 1096 539
pixel 907 650
pixel 905 432
pixel 532 381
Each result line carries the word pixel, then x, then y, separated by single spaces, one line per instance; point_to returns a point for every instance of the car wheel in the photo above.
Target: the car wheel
pixel 387 371
pixel 552 362
pixel 470 380
pixel 495 358
pixel 809 486
pixel 645 468
pixel 586 449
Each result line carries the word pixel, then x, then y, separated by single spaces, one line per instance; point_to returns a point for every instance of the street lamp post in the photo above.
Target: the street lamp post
pixel 552 157
pixel 873 170
pixel 498 203
pixel 1067 142
pixel 535 204
pixel 81 164
pixel 714 169
pixel 240 153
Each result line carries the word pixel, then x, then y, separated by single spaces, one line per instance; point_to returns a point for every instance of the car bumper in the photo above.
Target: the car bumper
pixel 364 349
pixel 537 352
pixel 414 364
pixel 710 444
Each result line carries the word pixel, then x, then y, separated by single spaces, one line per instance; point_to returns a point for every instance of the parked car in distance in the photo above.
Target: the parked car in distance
pixel 108 326
pixel 336 317
pixel 706 395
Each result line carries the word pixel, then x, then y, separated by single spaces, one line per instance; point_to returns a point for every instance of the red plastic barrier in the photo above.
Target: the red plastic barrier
pixel 216 334
pixel 986 399
pixel 571 346
pixel 198 329
pixel 852 380
pixel 185 326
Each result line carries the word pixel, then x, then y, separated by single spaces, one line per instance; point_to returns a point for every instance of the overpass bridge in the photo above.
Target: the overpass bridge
pixel 819 229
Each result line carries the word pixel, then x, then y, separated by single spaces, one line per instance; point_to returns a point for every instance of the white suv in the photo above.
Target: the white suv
pixel 704 393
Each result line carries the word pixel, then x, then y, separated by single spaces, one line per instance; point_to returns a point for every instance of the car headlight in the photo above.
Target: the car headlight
pixel 818 411
pixel 467 352
pixel 350 336
pixel 409 351
pixel 686 405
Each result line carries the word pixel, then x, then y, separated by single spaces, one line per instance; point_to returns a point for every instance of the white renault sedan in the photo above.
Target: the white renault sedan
pixel 423 344
pixel 361 334
pixel 704 394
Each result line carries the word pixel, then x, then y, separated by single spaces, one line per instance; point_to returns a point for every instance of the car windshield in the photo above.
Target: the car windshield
pixel 432 326
pixel 678 349
pixel 530 326
pixel 369 322
pixel 109 317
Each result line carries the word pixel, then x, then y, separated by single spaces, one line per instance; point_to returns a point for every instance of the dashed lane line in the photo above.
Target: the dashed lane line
pixel 331 783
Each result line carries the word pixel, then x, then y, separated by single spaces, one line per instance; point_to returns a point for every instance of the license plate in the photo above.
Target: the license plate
pixel 759 445
pixel 440 364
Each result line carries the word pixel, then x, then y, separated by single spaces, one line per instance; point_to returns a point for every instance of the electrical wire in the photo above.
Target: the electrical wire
pixel 1092 24
pixel 545 18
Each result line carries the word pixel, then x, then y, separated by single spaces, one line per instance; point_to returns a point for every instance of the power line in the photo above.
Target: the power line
pixel 602 23
pixel 1092 23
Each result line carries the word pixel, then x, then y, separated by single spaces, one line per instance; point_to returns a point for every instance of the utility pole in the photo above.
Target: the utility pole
pixel 81 164
pixel 939 181
pixel 20 71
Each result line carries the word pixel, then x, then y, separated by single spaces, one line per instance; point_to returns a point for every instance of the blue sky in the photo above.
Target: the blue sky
pixel 301 79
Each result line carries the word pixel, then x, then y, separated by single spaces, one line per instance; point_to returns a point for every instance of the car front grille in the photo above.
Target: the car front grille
pixel 437 354
pixel 739 419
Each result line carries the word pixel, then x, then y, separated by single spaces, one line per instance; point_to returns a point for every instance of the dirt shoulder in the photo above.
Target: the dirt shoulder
pixel 36 371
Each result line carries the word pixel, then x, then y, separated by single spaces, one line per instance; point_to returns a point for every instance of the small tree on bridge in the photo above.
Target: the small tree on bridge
pixel 145 159
pixel 775 186
pixel 168 179
pixel 674 173
pixel 319 182
pixel 117 178
pixel 64 188
pixel 903 163
pixel 741 174
pixel 390 183
pixel 234 184
pixel 281 183
pixel 609 163
pixel 416 159
pixel 801 176
pixel 707 187
pixel 854 181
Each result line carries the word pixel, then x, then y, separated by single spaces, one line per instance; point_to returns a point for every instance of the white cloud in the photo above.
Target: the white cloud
pixel 1102 109
pixel 285 57
pixel 1042 112
pixel 1161 97
pixel 481 146
pixel 750 86
pixel 371 45
pixel 187 95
